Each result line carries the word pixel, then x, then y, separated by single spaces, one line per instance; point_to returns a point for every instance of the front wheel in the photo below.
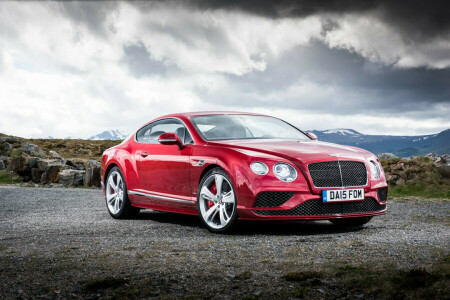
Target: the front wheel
pixel 351 222
pixel 216 201
pixel 117 202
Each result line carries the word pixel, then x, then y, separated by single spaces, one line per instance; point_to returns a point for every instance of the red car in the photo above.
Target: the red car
pixel 225 166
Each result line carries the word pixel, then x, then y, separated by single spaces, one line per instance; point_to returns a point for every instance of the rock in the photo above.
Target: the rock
pixel 9 139
pixel 2 162
pixel 36 175
pixel 446 158
pixel 400 182
pixel 76 164
pixel 32 149
pixel 44 164
pixel 386 156
pixel 54 154
pixel 444 170
pixel 391 179
pixel 49 169
pixel 6 147
pixel 71 177
pixel 21 164
pixel 92 176
pixel 400 167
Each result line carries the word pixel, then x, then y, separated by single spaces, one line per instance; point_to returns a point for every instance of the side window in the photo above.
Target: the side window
pixel 150 133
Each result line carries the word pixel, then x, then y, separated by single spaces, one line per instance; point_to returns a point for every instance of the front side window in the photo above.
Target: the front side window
pixel 150 133
pixel 237 127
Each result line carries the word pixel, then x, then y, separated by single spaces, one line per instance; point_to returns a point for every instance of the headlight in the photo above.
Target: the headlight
pixel 285 172
pixel 374 170
pixel 259 168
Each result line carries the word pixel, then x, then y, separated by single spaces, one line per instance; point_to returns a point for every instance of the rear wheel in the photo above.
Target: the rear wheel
pixel 117 201
pixel 351 222
pixel 216 201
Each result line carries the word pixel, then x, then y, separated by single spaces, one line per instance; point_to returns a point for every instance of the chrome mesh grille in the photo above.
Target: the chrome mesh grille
pixel 338 174
pixel 272 199
pixel 318 208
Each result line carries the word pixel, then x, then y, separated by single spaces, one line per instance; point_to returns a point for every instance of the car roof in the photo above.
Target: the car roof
pixel 207 113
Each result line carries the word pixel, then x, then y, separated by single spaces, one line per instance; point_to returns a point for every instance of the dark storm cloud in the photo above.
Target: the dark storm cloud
pixel 417 19
pixel 140 63
pixel 375 88
pixel 89 13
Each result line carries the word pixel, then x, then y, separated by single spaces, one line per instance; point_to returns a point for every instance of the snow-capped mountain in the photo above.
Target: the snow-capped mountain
pixel 110 135
pixel 400 145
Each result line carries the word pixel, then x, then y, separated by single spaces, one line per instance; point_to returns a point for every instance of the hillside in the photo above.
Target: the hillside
pixel 402 146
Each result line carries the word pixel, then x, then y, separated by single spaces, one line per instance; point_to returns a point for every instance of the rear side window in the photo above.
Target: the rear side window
pixel 150 133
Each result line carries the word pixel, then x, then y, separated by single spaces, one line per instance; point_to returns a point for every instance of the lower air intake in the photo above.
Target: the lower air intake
pixel 318 208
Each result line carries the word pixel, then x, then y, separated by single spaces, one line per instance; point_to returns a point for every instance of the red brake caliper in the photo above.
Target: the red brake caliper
pixel 214 191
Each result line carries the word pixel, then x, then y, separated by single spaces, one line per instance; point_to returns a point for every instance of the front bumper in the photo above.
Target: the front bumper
pixel 306 206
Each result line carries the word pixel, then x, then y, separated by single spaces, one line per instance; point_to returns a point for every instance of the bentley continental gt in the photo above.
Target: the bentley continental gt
pixel 225 166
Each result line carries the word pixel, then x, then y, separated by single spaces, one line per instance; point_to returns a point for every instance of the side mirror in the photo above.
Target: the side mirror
pixel 170 138
pixel 312 135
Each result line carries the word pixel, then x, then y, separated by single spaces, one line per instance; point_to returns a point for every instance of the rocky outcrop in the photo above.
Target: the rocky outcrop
pixel 34 164
pixel 416 170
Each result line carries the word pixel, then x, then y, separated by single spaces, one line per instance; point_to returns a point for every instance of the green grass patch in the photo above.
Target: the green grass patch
pixel 421 190
pixel 7 177
pixel 106 283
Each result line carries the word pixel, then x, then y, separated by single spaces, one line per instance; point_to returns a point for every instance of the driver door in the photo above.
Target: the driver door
pixel 163 169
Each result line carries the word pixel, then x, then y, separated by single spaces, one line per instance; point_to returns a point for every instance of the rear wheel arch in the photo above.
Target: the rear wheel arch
pixel 108 170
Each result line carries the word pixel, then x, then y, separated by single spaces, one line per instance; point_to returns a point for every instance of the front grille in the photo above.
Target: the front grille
pixel 318 208
pixel 272 199
pixel 382 194
pixel 338 174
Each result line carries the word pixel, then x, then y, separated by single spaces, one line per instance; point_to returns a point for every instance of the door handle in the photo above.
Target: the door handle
pixel 144 154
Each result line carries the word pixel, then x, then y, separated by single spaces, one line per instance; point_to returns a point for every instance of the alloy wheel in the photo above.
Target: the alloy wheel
pixel 114 192
pixel 217 201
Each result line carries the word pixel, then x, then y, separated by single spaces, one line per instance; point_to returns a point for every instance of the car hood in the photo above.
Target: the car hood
pixel 304 151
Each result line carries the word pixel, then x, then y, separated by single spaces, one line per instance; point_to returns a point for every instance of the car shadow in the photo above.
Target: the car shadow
pixel 244 228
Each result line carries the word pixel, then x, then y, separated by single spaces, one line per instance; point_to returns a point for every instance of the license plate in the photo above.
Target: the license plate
pixel 343 195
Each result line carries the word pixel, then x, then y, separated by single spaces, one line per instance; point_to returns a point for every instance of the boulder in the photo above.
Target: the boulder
pixel 49 169
pixel 9 139
pixel 54 154
pixel 446 158
pixel 36 175
pixel 386 156
pixel 77 164
pixel 6 147
pixel 2 162
pixel 444 170
pixel 71 177
pixel 92 176
pixel 399 167
pixel 32 149
pixel 400 182
pixel 21 164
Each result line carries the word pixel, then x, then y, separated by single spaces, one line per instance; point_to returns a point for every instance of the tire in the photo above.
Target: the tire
pixel 224 216
pixel 351 222
pixel 119 207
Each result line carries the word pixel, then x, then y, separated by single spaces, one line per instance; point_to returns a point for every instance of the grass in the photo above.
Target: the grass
pixel 301 276
pixel 421 190
pixel 7 177
pixel 301 292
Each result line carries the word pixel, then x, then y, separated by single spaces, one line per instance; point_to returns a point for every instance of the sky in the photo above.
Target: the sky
pixel 79 68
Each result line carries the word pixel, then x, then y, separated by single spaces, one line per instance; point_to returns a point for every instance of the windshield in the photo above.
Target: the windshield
pixel 238 127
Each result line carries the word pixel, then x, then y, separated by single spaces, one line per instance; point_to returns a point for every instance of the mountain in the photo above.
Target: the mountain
pixel 110 135
pixel 403 146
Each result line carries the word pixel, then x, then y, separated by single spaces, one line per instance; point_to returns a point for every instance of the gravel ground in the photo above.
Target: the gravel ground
pixel 62 243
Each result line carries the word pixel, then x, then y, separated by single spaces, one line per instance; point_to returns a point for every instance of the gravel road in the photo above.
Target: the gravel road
pixel 62 243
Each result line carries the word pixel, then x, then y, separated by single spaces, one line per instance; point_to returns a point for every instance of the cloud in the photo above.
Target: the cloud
pixel 78 68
